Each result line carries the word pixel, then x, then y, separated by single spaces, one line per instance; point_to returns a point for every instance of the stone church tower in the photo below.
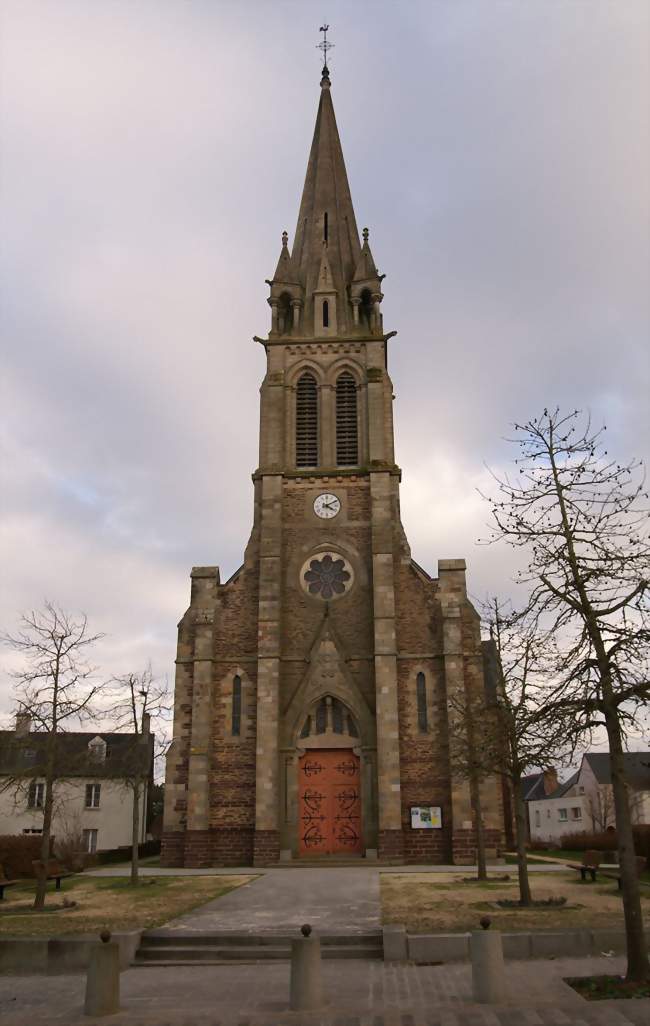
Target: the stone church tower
pixel 314 688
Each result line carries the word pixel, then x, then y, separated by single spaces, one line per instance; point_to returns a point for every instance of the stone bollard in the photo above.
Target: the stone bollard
pixel 488 973
pixel 103 979
pixel 306 983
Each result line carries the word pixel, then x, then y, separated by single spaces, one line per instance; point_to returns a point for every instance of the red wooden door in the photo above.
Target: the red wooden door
pixel 329 802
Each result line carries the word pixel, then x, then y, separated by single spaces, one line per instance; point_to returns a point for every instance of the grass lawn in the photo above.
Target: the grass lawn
pixel 110 902
pixel 443 903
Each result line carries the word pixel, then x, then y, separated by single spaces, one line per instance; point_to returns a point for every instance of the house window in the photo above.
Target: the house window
pixel 538 818
pixel 562 815
pixel 36 796
pixel 421 692
pixel 326 314
pixel 347 444
pixel 307 421
pixel 576 813
pixel 236 706
pixel 93 792
pixel 33 830
pixel 90 840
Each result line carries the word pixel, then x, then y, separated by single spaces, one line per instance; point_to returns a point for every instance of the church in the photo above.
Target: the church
pixel 315 688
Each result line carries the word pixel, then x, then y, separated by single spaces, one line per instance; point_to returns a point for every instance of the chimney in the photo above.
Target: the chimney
pixel 550 781
pixel 146 724
pixel 23 723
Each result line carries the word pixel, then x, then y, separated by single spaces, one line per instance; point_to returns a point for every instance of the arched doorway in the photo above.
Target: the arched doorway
pixel 329 802
pixel 330 818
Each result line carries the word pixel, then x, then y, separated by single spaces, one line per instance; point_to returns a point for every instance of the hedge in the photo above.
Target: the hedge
pixel 123 854
pixel 608 841
pixel 17 851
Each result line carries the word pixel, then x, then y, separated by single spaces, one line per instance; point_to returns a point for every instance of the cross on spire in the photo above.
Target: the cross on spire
pixel 325 46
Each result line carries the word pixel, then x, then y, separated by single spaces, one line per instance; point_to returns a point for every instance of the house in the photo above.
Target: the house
pixel 93 799
pixel 584 803
pixel 595 783
pixel 560 812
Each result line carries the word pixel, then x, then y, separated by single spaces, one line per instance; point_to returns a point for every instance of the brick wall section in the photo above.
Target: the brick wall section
pixel 464 844
pixel 266 847
pixel 172 850
pixel 391 844
pixel 198 849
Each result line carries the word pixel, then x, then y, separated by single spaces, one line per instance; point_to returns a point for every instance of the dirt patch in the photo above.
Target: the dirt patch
pixel 442 903
pixel 111 903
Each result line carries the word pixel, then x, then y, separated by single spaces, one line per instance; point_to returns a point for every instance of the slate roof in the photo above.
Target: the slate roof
pixel 637 768
pixel 23 755
pixel 532 787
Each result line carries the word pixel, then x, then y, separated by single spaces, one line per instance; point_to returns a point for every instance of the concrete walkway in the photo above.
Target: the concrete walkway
pixel 124 869
pixel 333 901
pixel 359 994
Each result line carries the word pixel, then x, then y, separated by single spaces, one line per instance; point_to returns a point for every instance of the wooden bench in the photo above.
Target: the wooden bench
pixel 5 882
pixel 590 863
pixel 51 870
pixel 640 866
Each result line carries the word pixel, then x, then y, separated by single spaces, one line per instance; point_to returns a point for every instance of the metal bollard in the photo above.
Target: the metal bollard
pixel 103 979
pixel 306 988
pixel 488 971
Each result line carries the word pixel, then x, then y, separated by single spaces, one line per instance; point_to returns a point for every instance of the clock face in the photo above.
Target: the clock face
pixel 326 506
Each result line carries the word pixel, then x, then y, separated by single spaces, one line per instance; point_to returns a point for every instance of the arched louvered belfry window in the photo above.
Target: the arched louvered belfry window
pixel 307 421
pixel 421 692
pixel 347 441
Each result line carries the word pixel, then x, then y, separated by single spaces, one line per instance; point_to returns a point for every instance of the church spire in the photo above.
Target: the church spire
pixel 326 213
pixel 326 231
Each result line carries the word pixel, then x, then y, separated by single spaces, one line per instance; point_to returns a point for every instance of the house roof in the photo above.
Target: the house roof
pixel 533 787
pixel 23 755
pixel 637 768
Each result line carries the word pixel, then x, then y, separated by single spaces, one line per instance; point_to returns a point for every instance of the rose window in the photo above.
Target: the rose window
pixel 326 576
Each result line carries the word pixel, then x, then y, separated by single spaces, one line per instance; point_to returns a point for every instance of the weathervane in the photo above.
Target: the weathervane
pixel 325 47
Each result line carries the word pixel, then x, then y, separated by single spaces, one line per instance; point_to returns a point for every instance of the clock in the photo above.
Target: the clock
pixel 326 506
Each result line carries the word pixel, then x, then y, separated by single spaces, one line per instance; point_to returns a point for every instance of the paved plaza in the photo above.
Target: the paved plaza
pixel 360 994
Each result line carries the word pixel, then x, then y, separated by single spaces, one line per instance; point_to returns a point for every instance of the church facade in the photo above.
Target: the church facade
pixel 315 688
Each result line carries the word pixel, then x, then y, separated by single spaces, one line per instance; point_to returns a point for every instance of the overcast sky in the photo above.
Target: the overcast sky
pixel 152 154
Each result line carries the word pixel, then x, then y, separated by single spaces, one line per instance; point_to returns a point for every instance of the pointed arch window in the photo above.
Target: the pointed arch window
pixel 236 707
pixel 421 693
pixel 307 421
pixel 326 314
pixel 347 441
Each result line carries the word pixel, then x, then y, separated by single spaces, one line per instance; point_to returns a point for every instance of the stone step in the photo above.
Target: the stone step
pixel 216 955
pixel 174 947
pixel 178 939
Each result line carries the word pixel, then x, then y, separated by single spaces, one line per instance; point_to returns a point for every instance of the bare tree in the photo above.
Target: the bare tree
pixel 139 699
pixel 54 688
pixel 601 809
pixel 473 756
pixel 580 517
pixel 530 735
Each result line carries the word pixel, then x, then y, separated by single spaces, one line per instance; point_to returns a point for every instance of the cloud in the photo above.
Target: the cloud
pixel 152 155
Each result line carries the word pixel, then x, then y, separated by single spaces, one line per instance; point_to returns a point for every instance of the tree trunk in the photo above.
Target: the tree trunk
pixel 135 834
pixel 475 795
pixel 638 967
pixel 525 897
pixel 41 879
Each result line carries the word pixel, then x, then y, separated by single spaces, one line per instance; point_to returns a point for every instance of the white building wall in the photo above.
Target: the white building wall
pixel 112 819
pixel 547 824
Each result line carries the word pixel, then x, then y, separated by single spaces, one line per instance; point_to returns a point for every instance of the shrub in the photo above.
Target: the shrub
pixel 123 854
pixel 608 841
pixel 17 851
